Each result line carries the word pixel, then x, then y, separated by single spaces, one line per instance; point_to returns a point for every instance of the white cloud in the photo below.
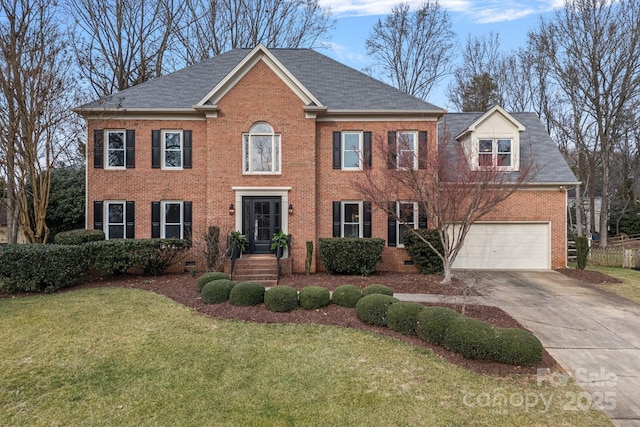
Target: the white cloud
pixel 478 11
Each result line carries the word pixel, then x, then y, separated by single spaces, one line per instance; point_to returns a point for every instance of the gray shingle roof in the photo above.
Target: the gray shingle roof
pixel 536 146
pixel 335 85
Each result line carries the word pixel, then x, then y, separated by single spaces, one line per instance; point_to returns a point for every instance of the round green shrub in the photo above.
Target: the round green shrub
pixel 209 277
pixel 432 323
pixel 281 299
pixel 314 297
pixel 471 338
pixel 403 317
pixel 216 291
pixel 517 347
pixel 377 289
pixel 247 293
pixel 347 295
pixel 372 309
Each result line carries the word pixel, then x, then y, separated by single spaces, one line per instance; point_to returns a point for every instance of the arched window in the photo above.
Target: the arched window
pixel 261 150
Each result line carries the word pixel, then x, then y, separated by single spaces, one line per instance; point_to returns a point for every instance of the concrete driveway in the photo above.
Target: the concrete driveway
pixel 594 335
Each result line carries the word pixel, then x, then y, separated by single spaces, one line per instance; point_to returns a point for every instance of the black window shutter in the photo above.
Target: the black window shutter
pixel 367 149
pixel 98 148
pixel 422 150
pixel 155 149
pixel 131 148
pixel 155 220
pixel 336 219
pixel 391 226
pixel 186 135
pixel 97 216
pixel 131 217
pixel 186 220
pixel 337 148
pixel 366 226
pixel 422 217
pixel 391 149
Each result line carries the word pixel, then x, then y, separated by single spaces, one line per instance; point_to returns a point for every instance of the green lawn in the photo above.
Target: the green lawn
pixel 128 357
pixel 630 286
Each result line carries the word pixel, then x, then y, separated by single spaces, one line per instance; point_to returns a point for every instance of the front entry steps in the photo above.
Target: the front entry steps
pixel 259 268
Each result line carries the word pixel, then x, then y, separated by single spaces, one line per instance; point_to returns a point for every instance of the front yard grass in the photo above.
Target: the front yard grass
pixel 114 356
pixel 630 286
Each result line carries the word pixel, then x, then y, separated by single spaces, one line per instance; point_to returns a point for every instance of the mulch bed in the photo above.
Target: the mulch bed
pixel 182 288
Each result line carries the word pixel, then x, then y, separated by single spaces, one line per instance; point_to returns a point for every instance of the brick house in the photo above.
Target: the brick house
pixel 259 140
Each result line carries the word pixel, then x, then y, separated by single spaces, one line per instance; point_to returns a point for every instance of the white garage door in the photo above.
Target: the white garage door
pixel 505 246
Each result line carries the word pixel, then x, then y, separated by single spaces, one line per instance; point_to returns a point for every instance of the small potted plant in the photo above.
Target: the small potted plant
pixel 237 242
pixel 279 242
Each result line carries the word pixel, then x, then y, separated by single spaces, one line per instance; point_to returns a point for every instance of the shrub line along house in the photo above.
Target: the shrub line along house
pixel 260 140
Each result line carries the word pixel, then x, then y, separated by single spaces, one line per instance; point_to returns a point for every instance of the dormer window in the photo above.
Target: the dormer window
pixel 495 153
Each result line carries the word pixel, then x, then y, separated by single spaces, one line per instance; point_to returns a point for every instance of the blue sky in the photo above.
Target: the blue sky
pixel 512 19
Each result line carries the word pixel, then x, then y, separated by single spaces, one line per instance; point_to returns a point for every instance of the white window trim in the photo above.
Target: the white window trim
pixel 415 149
pixel 360 216
pixel 360 149
pixel 400 223
pixel 276 142
pixel 164 148
pixel 163 222
pixel 105 214
pixel 494 153
pixel 106 149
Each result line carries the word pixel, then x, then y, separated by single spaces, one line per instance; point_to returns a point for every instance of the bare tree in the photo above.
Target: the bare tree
pixel 481 62
pixel 592 48
pixel 413 49
pixel 121 43
pixel 215 26
pixel 35 94
pixel 451 193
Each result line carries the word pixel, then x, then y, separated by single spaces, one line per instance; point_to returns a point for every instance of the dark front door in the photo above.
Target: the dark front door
pixel 260 220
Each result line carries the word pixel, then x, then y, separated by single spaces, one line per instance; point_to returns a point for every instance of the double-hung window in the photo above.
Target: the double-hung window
pixel 261 150
pixel 115 220
pixel 495 153
pixel 115 149
pixel 171 219
pixel 407 213
pixel 351 150
pixel 407 150
pixel 172 149
pixel 115 217
pixel 351 219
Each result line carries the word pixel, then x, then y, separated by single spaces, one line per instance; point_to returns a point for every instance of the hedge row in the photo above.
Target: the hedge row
pixel 374 305
pixel 46 268
pixel 346 255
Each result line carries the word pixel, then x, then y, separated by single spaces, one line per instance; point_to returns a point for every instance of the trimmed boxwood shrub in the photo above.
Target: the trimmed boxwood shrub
pixel 247 293
pixel 209 277
pixel 78 237
pixel 349 255
pixel 314 297
pixel 372 309
pixel 216 291
pixel 152 256
pixel 377 289
pixel 432 323
pixel 41 268
pixel 403 317
pixel 421 254
pixel 347 295
pixel 472 338
pixel 517 347
pixel 281 299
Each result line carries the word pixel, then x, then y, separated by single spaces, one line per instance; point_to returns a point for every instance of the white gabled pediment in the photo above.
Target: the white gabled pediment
pixel 257 54
pixel 495 120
